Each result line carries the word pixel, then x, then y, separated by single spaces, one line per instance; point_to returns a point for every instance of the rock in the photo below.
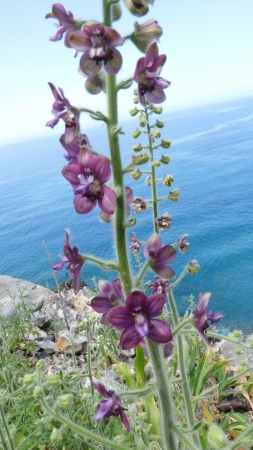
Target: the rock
pixel 38 318
pixel 64 343
pixel 227 350
pixel 48 346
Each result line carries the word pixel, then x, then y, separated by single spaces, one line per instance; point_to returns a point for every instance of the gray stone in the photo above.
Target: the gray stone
pixel 227 350
pixel 48 346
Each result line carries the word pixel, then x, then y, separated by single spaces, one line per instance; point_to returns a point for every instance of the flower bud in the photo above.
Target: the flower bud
pixel 38 392
pixel 156 163
pixel 136 174
pixel 41 365
pixel 65 400
pixel 140 159
pixel 139 204
pixel 55 437
pixel 136 100
pixel 137 148
pixel 174 195
pixel 193 267
pixel 217 438
pixel 156 133
pixel 137 7
pixel 157 109
pixel 133 112
pixel 142 121
pixel 136 133
pixel 237 334
pixel 163 222
pixel 168 180
pixel 28 379
pixel 53 380
pixel 159 123
pixel 143 416
pixel 116 12
pixel 147 33
pixel 165 143
pixel 135 92
pixel 239 351
pixel 165 159
pixel 148 181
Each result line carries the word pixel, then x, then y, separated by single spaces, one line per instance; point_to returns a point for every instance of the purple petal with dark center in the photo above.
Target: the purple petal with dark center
pixel 100 166
pixel 129 338
pixel 112 37
pixel 120 318
pixel 153 305
pixel 101 304
pixel 113 64
pixel 153 245
pixel 166 255
pixel 141 324
pixel 89 67
pixel 108 202
pixel 84 205
pixel 135 301
pixel 105 288
pixel 104 409
pixel 157 96
pixel 159 331
pixel 164 271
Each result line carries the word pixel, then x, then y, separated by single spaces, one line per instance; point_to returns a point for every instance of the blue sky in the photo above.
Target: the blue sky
pixel 208 43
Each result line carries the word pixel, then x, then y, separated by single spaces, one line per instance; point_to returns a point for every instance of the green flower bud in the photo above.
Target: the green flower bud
pixel 243 363
pixel 38 392
pixel 133 112
pixel 136 174
pixel 137 8
pixel 40 365
pixel 20 380
pixel 156 164
pixel 148 181
pixel 81 326
pixel 50 400
pixel 140 159
pixel 156 133
pixel 137 148
pixel 116 12
pixel 193 267
pixel 136 133
pixel 65 400
pixel 53 380
pixel 28 379
pixel 56 436
pixel 136 100
pixel 239 351
pixel 174 195
pixel 168 180
pixel 159 124
pixel 145 34
pixel 143 416
pixel 135 92
pixel 157 109
pixel 165 143
pixel 165 159
pixel 217 438
pixel 237 334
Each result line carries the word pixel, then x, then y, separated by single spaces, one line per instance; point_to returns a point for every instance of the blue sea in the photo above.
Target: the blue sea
pixel 212 164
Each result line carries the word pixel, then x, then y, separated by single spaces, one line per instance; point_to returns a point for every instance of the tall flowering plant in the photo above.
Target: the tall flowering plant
pixel 141 317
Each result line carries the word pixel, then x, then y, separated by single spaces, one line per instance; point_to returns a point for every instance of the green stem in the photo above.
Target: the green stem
pixel 164 394
pixel 105 265
pixel 173 285
pixel 5 426
pixel 81 430
pixel 185 385
pixel 153 178
pixel 180 326
pixel 112 123
pixel 227 338
pixel 190 445
pixel 241 438
pixel 138 279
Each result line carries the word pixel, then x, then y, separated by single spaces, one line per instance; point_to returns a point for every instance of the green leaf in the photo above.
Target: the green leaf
pixel 139 363
pixel 144 438
pixel 129 377
pixel 153 415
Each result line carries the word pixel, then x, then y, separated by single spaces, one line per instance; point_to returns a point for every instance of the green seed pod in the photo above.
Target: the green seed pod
pixel 165 143
pixel 28 379
pixel 40 365
pixel 56 436
pixel 156 164
pixel 136 174
pixel 148 181
pixel 38 392
pixel 165 159
pixel 237 334
pixel 168 180
pixel 157 109
pixel 136 100
pixel 239 351
pixel 137 148
pixel 136 133
pixel 116 12
pixel 53 380
pixel 217 438
pixel 142 120
pixel 65 400
pixel 133 112
pixel 143 158
pixel 159 124
pixel 156 133
pixel 193 267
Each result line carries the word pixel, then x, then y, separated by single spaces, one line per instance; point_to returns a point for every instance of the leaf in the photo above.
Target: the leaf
pixel 129 377
pixel 153 415
pixel 139 363
pixel 144 438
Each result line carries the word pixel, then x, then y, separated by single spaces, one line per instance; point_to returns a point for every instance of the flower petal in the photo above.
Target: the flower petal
pixel 135 301
pixel 90 67
pixel 124 418
pixel 153 305
pixel 166 255
pixel 108 201
pixel 159 331
pixel 84 205
pixel 130 338
pixel 163 270
pixel 113 64
pixel 153 245
pixel 101 389
pixel 104 409
pixel 101 304
pixel 120 318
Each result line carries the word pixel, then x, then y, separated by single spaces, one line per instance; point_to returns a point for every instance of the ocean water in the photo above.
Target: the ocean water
pixel 212 164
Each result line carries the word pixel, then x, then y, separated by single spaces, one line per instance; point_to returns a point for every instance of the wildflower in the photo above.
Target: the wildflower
pixel 98 44
pixel 159 286
pixel 109 218
pixel 74 147
pixel 147 74
pixel 67 23
pixel 145 34
pixel 62 109
pixel 75 262
pixel 137 320
pixel 112 294
pixel 136 245
pixel 160 256
pixel 182 245
pixel 201 317
pixel 138 7
pixel 193 267
pixel 163 222
pixel 87 178
pixel 139 204
pixel 110 407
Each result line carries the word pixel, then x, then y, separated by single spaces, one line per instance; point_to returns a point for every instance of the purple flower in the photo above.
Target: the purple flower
pixel 62 109
pixel 109 218
pixel 98 44
pixel 160 256
pixel 110 407
pixel 74 261
pixel 136 245
pixel 136 318
pixel 67 24
pixel 112 294
pixel 87 178
pixel 182 245
pixel 147 75
pixel 74 147
pixel 201 316
pixel 159 286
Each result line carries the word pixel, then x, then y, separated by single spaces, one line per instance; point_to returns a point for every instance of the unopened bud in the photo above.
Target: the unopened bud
pixel 40 365
pixel 165 159
pixel 237 333
pixel 133 112
pixel 157 109
pixel 156 133
pixel 53 380
pixel 142 121
pixel 137 148
pixel 217 438
pixel 146 34
pixel 38 392
pixel 156 163
pixel 159 124
pixel 174 195
pixel 28 379
pixel 143 415
pixel 56 436
pixel 136 100
pixel 65 400
pixel 165 143
pixel 136 133
pixel 136 174
pixel 140 159
pixel 168 180
pixel 193 267
pixel 137 8
pixel 148 181
pixel 116 12
pixel 135 92
pixel 239 351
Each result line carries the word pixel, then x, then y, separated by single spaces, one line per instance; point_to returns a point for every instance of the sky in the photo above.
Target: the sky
pixel 208 43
